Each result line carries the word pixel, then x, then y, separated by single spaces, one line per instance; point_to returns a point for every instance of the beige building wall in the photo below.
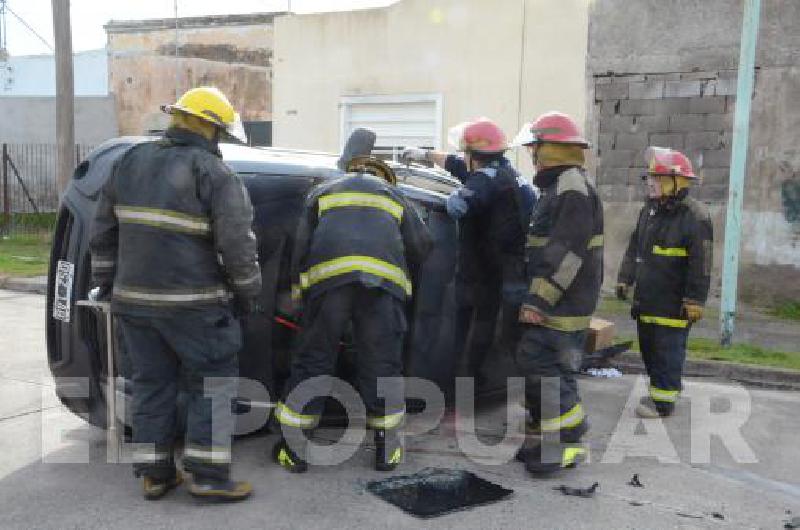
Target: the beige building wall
pixel 508 60
pixel 233 53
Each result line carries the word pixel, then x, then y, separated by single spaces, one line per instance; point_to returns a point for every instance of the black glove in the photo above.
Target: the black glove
pixel 622 291
pixel 247 306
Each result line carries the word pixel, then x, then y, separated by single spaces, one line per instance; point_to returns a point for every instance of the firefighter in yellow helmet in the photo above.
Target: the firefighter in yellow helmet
pixel 173 247
pixel 669 260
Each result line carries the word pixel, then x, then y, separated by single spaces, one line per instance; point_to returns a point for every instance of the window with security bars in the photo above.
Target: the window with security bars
pixel 398 121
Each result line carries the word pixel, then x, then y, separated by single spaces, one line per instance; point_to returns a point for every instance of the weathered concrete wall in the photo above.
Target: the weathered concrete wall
pixel 233 53
pixel 664 73
pixel 508 63
pixel 32 120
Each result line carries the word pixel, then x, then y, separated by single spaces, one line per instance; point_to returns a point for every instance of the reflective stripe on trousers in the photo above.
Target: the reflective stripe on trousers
pixel 664 321
pixel 388 422
pixel 213 455
pixel 662 395
pixel 286 416
pixel 569 419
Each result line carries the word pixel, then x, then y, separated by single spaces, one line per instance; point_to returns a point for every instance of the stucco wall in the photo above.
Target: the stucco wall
pixel 681 79
pixel 232 53
pixel 508 63
pixel 32 120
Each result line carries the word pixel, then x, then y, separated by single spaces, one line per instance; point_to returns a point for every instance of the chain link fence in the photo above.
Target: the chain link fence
pixel 28 188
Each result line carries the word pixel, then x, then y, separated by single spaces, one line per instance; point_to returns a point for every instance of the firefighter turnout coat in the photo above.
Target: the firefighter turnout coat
pixel 173 229
pixel 565 249
pixel 669 259
pixel 358 229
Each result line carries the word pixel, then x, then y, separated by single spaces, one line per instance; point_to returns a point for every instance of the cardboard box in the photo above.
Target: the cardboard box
pixel 601 335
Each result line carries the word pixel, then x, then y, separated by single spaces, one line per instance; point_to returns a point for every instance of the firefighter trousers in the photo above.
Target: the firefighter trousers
pixel 190 349
pixel 549 360
pixel 378 325
pixel 477 308
pixel 663 353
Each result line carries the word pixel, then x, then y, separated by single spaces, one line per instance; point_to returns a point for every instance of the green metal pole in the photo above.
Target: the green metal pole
pixel 741 130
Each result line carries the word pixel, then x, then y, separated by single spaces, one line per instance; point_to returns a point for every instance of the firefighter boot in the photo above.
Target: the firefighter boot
pixel 549 456
pixel 214 489
pixel 546 459
pixel 649 409
pixel 283 455
pixel 388 450
pixel 154 489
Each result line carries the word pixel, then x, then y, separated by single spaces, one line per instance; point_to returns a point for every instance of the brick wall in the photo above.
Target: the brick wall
pixel 691 112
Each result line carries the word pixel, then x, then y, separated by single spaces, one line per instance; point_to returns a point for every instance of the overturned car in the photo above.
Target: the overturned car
pixel 277 181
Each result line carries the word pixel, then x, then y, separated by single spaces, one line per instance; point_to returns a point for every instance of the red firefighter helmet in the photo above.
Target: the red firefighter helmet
pixel 551 127
pixel 669 162
pixel 480 136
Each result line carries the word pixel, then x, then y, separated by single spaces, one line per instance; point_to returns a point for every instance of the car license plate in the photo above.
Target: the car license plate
pixel 62 299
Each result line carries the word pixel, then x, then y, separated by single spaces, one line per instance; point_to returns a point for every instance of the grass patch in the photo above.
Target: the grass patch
pixel 34 223
pixel 710 350
pixel 611 305
pixel 707 349
pixel 787 311
pixel 24 255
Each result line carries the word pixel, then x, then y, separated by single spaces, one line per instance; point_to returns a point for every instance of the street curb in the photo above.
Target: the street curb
pixel 34 285
pixel 751 375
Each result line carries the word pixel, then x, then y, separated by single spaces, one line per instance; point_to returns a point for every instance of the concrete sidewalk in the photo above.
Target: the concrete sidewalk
pixel 34 284
pixel 36 491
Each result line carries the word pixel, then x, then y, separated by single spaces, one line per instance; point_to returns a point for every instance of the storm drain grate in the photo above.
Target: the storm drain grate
pixel 435 491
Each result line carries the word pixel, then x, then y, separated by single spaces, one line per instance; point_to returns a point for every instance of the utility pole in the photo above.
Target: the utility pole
pixel 177 61
pixel 65 94
pixel 741 133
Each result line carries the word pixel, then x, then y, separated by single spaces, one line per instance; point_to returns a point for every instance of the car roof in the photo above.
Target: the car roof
pixel 276 161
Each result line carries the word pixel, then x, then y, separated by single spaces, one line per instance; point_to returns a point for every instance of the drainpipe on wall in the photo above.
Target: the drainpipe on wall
pixel 741 132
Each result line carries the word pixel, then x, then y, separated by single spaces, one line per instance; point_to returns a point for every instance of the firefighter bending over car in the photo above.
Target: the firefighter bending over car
pixel 493 209
pixel 358 244
pixel 669 260
pixel 564 273
pixel 173 247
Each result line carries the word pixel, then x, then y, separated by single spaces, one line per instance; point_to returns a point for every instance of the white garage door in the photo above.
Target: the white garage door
pixel 398 121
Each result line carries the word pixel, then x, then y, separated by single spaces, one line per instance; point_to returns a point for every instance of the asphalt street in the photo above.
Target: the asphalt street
pixel 751 480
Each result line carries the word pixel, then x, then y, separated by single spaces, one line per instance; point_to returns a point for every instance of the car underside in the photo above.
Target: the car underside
pixel 277 181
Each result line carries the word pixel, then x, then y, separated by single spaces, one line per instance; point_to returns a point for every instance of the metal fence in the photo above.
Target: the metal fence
pixel 28 189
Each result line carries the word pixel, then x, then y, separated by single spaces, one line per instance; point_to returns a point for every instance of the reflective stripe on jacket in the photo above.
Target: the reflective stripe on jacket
pixel 358 229
pixel 669 259
pixel 565 249
pixel 173 229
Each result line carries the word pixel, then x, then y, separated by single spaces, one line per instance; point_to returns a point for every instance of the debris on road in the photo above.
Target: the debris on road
pixel 578 492
pixel 635 482
pixel 435 491
pixel 607 373
pixel 602 358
